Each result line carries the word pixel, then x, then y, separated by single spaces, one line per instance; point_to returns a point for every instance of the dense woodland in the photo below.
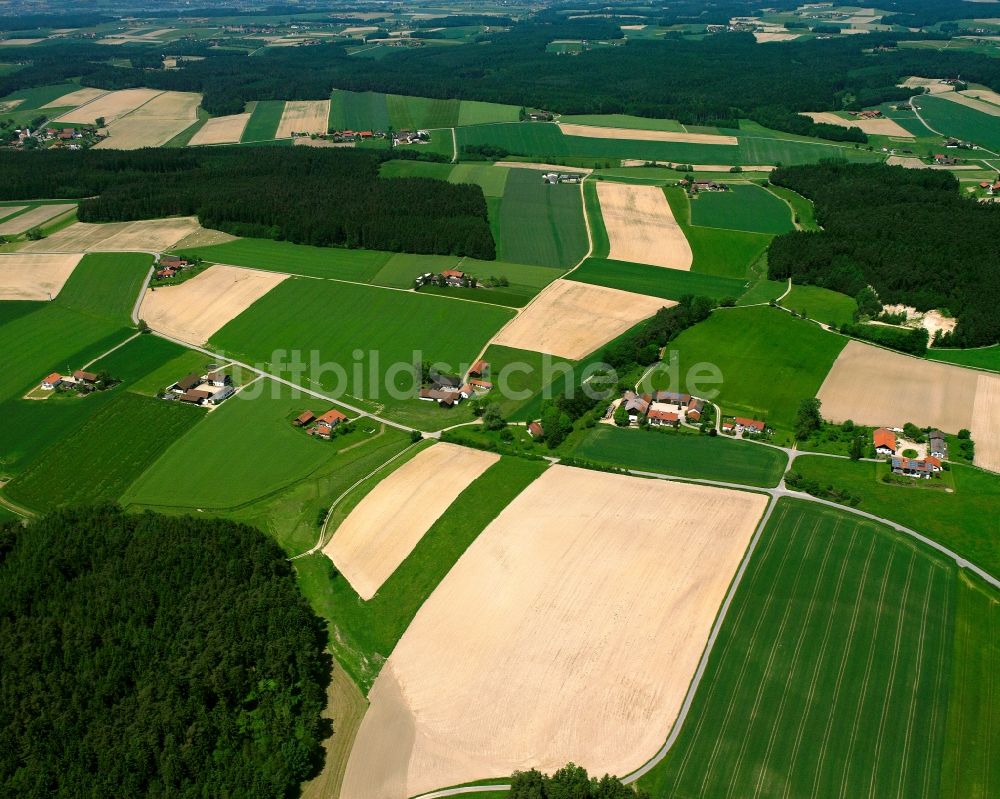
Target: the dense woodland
pixel 715 81
pixel 300 194
pixel 147 655
pixel 906 232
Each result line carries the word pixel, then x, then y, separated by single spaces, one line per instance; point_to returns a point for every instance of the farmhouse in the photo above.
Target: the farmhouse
pixel 658 418
pixel 303 418
pixel 885 441
pixel 479 369
pixel 637 406
pixel 186 383
pixel 453 277
pixel 937 445
pixel 220 396
pixel 741 424
pixel 910 467
pixel 331 419
pixel 944 160
pixel 446 398
pixel 672 398
pixel 480 385
pixel 84 377
pixel 218 379
pixel 195 396
pixel 535 430
pixel 694 409
pixel 52 381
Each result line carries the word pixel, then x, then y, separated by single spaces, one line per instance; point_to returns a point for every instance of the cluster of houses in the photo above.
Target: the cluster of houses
pixel 449 390
pixel 940 159
pixel 886 445
pixel 168 266
pixel 552 178
pixel 410 137
pixel 874 114
pixel 741 425
pixel 660 408
pixel 320 426
pixel 539 116
pixel 696 186
pixel 992 188
pixel 455 278
pixel 207 390
pixel 354 135
pixel 81 381
pixel 69 138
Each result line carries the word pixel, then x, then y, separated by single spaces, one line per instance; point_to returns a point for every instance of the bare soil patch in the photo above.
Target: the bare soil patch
pixel 195 309
pixel 34 217
pixel 221 130
pixel 641 226
pixel 880 127
pixel 563 633
pixel 144 235
pixel 596 132
pixel 19 42
pixel 573 319
pixel 763 36
pixel 77 98
pixel 111 106
pixel 931 321
pixel 34 277
pixel 381 532
pixel 305 116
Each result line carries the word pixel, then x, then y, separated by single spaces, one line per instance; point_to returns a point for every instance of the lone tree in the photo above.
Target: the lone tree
pixel 809 419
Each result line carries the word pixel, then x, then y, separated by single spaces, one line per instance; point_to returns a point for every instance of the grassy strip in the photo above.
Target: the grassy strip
pixel 264 121
pixel 365 633
pixel 671 284
pixel 598 232
pixel 979 358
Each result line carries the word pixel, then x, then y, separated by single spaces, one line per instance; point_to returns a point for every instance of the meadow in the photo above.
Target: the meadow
pixel 106 285
pixel 964 520
pixel 769 362
pixel 364 633
pixel 264 121
pixel 803 212
pixel 524 373
pixel 302 259
pixel 141 357
pixel 318 317
pixel 671 284
pixel 598 231
pixel 624 121
pixel 41 95
pixel 832 675
pixel 744 207
pixel 218 465
pixel 823 305
pixel 979 358
pixel 541 224
pixel 118 442
pixel 377 111
pixel 961 122
pixel 684 454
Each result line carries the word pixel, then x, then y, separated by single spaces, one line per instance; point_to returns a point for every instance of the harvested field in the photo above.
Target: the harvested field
pixel 573 319
pixel 77 98
pixel 34 277
pixel 547 167
pixel 988 95
pixel 973 103
pixel 143 235
pixel 307 141
pixel 913 162
pixel 153 124
pixel 570 637
pixel 221 130
pixel 879 127
pixel 641 227
pixel 34 217
pixel 306 116
pixel 389 522
pixel 19 42
pixel 874 387
pixel 111 106
pixel 763 37
pixel 632 134
pixel 197 308
pixel 10 210
pixel 933 85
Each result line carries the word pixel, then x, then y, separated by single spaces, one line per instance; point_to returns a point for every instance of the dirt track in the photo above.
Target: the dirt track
pixel 570 635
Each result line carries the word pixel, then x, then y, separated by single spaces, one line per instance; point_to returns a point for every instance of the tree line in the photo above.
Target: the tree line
pixel 148 655
pixel 906 232
pixel 299 194
pixel 569 782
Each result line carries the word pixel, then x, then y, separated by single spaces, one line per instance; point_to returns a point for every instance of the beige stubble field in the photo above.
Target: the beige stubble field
pixel 110 106
pixel 195 309
pixel 77 98
pixel 145 235
pixel 389 522
pixel 571 319
pixel 880 127
pixel 634 134
pixel 34 277
pixel 221 130
pixel 303 116
pixel 872 386
pixel 568 631
pixel 34 218
pixel 154 123
pixel 641 226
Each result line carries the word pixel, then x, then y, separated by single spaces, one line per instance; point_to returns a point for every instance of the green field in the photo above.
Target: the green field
pixel 396 328
pixel 474 112
pixel 821 304
pixel 413 113
pixel 219 464
pixel 744 207
pixel 491 179
pixel 544 141
pixel 598 232
pixel 106 285
pixel 98 460
pixel 366 632
pixel 358 111
pixel 143 356
pixel 264 121
pixel 671 284
pixel 961 122
pixel 40 95
pixel 769 362
pixel 301 259
pixel 832 674
pixel 727 253
pixel 964 521
pixel 520 375
pixel 377 111
pixel 981 357
pixel 763 291
pixel 399 168
pixel 804 213
pixel 541 224
pixel 684 454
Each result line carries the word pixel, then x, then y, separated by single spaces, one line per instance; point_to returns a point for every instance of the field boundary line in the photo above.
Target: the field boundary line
pixel 116 347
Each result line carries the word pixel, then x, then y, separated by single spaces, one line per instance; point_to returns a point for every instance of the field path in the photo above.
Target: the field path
pixel 116 347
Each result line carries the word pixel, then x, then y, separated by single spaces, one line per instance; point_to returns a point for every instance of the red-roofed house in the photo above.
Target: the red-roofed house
pixel 304 418
pixel 84 377
pixel 885 441
pixel 535 430
pixel 453 277
pixel 485 385
pixel 658 418
pixel 749 425
pixel 479 368
pixel 331 419
pixel 51 381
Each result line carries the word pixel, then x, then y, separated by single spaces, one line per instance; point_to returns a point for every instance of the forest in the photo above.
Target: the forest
pixel 906 232
pixel 148 655
pixel 305 195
